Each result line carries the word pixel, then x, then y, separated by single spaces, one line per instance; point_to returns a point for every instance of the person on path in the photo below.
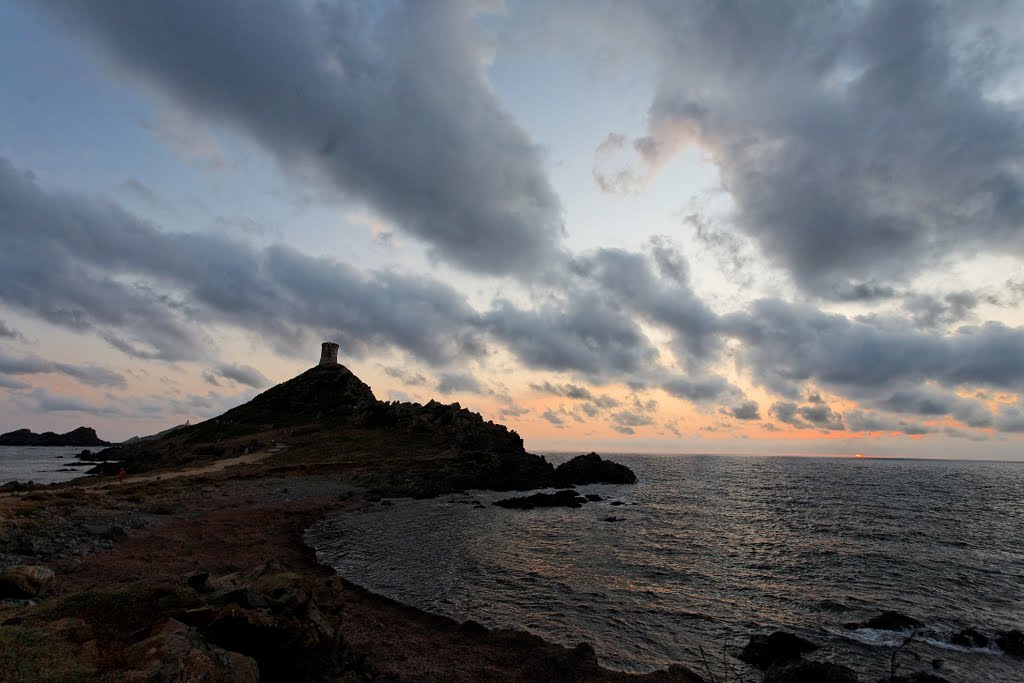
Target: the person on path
pixel 121 475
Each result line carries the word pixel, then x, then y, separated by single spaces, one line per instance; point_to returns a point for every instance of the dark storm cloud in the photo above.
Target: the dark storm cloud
pixel 929 312
pixel 92 266
pixel 701 389
pixel 930 401
pixel 92 375
pixel 861 141
pixel 243 374
pixel 387 104
pixel 813 416
pixel 787 345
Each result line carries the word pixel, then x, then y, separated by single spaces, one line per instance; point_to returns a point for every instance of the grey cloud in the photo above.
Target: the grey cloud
pixel 813 416
pixel 700 390
pixel 513 411
pixel 451 382
pixel 59 255
pixel 567 390
pixel 875 145
pixel 1010 419
pixel 92 375
pixel 45 401
pixel 243 374
pixel 552 417
pixel 405 376
pixel 787 345
pixel 929 312
pixel 9 332
pixel 868 421
pixel 390 106
pixel 622 429
pixel 10 383
pixel 930 401
pixel 628 418
pixel 748 410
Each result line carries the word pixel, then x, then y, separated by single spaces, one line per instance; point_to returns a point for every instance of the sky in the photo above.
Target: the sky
pixel 671 226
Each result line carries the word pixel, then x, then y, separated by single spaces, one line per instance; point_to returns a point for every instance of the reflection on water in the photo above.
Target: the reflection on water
pixel 714 549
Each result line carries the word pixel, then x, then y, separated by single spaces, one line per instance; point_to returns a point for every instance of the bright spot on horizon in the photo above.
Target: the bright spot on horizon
pixel 859 455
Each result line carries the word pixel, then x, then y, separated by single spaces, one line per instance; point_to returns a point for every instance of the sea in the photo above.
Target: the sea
pixel 710 550
pixel 41 464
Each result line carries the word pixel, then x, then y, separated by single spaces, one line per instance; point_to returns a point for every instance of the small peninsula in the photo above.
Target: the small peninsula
pixel 82 436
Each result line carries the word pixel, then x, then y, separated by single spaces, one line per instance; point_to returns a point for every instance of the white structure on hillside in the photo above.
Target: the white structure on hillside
pixel 328 353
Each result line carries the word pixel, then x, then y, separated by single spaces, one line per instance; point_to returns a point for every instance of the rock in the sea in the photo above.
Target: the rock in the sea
pixel 591 469
pixel 613 518
pixel 763 651
pixel 969 637
pixel 805 671
pixel 916 677
pixel 1011 642
pixel 593 497
pixel 888 621
pixel 24 581
pixel 565 498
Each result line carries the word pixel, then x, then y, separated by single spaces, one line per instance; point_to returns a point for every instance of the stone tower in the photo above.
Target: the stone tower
pixel 328 353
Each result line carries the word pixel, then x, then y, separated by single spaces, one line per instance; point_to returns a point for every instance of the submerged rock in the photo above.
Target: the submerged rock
pixel 1011 642
pixel 969 637
pixel 591 469
pixel 804 671
pixel 763 651
pixel 888 621
pixel 566 498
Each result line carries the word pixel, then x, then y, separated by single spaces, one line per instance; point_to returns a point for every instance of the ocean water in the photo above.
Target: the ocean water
pixel 41 464
pixel 713 549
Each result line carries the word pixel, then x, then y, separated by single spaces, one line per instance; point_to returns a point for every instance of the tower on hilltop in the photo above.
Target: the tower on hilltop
pixel 328 353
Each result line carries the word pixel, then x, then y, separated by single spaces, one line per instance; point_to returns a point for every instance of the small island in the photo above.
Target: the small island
pixel 83 436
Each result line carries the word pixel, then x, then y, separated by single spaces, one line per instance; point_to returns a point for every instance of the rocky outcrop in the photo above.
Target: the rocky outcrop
pixel 970 637
pixel 763 651
pixel 83 436
pixel 177 652
pixel 567 499
pixel 24 581
pixel 591 469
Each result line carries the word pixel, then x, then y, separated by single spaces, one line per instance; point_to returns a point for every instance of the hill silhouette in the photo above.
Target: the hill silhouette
pixel 328 418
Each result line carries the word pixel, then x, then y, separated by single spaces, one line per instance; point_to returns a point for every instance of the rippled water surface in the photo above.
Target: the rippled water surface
pixel 713 549
pixel 41 464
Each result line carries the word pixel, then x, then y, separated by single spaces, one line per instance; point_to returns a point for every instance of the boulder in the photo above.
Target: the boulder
pixel 176 652
pixel 888 621
pixel 916 677
pixel 969 637
pixel 593 497
pixel 1011 642
pixel 804 671
pixel 24 581
pixel 565 498
pixel 591 469
pixel 763 651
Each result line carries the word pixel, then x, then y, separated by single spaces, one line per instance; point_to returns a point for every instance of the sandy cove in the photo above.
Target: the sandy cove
pixel 157 577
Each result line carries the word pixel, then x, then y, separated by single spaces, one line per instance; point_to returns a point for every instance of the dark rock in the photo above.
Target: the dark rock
pixel 176 652
pixel 83 436
pixel 762 651
pixel 804 671
pixel 613 518
pixel 969 637
pixel 591 469
pixel 386 503
pixel 593 497
pixel 887 621
pixel 199 581
pixel 616 502
pixel 1011 642
pixel 565 498
pixel 24 581
pixel 473 628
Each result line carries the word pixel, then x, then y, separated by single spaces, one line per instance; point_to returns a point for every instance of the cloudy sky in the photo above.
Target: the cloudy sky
pixel 664 226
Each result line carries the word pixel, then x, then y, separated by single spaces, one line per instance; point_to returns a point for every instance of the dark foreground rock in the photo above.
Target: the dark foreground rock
pixel 591 469
pixel 1011 642
pixel 83 436
pixel 804 671
pixel 24 581
pixel 567 498
pixel 764 651
pixel 970 637
pixel 916 677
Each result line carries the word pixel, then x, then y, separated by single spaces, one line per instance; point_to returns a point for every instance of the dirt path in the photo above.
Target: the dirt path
pixel 204 469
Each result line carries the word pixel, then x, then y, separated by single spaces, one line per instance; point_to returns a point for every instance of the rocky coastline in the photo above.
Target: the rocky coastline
pixel 194 568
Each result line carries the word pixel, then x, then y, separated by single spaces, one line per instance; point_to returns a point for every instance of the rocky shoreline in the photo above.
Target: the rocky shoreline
pixel 207 576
